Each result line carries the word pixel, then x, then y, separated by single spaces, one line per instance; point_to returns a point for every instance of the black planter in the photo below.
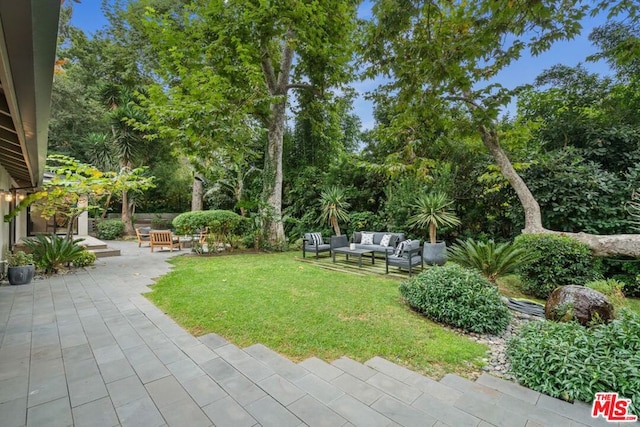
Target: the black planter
pixel 435 253
pixel 21 275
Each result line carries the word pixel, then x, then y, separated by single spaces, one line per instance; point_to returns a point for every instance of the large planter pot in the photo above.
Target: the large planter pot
pixel 435 253
pixel 21 275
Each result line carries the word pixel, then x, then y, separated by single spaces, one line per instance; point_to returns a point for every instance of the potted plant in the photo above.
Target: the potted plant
pixel 434 210
pixel 21 268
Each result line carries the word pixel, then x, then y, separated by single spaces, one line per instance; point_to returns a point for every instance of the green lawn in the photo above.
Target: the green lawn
pixel 301 310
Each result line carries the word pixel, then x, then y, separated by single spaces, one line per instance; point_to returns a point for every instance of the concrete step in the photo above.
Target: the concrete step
pixel 105 252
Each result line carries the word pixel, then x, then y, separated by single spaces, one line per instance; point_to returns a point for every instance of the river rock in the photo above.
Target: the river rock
pixel 578 302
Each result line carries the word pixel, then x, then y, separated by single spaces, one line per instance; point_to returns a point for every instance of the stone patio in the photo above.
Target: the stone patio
pixel 87 349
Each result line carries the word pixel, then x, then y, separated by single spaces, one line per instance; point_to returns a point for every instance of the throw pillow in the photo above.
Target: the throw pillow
pixel 401 246
pixel 316 239
pixel 357 237
pixel 385 240
pixel 367 239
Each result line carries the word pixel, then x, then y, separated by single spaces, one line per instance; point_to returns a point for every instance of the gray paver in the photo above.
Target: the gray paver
pixel 204 390
pixel 14 412
pixel 354 368
pixel 97 413
pixel 319 389
pixel 315 413
pixel 126 390
pixel 281 389
pixel 242 389
pixel 483 392
pixel 269 412
pixel 86 390
pixel 253 369
pixel 321 368
pixel 434 388
pixel 401 413
pixel 227 412
pixel 166 391
pixel 141 412
pixel 357 388
pixel 185 413
pixel 282 366
pixel 358 413
pixel 391 369
pixel 510 388
pixel 395 388
pixel 437 409
pixel 494 414
pixel 116 370
pixel 50 414
pixel 213 341
pixel 13 388
pixel 47 389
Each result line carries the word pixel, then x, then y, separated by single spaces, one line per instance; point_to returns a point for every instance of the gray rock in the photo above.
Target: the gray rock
pixel 567 303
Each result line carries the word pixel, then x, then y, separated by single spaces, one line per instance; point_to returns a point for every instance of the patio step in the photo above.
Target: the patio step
pixel 377 392
pixel 105 252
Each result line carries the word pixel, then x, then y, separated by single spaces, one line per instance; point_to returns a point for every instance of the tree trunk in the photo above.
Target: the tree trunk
pixel 532 214
pixel 272 176
pixel 278 85
pixel 126 215
pixel 197 193
pixel 238 190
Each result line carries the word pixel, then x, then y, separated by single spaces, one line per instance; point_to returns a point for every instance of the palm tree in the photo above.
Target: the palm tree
pixel 433 210
pixel 334 205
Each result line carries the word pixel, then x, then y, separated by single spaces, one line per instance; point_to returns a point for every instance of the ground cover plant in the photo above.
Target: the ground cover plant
pixel 301 310
pixel 458 297
pixel 569 361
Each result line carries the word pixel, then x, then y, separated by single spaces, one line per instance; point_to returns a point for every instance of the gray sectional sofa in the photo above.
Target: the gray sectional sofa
pixel 377 239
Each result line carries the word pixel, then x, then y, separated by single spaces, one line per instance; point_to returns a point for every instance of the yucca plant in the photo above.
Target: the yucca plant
pixel 433 210
pixel 51 251
pixel 334 205
pixel 492 259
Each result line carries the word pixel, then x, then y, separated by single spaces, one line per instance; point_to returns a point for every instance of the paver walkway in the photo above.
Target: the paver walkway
pixel 87 349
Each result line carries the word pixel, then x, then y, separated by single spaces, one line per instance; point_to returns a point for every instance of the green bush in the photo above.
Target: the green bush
pixel 569 361
pixel 626 270
pixel 220 222
pixel 51 251
pixel 110 229
pixel 84 259
pixel 491 259
pixel 458 297
pixel 554 261
pixel 159 223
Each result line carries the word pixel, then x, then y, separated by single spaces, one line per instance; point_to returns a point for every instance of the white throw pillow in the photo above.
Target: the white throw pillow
pixel 367 239
pixel 385 240
pixel 401 247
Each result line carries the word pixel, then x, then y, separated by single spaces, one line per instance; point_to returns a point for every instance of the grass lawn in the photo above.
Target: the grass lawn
pixel 301 310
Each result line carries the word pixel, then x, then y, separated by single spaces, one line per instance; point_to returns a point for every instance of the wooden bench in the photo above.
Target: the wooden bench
pixel 163 239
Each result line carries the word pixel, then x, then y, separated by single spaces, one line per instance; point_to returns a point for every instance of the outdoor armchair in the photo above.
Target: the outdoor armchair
pixel 143 235
pixel 407 257
pixel 314 243
pixel 163 239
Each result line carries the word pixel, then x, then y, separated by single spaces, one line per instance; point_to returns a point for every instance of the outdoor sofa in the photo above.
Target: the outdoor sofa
pixel 379 243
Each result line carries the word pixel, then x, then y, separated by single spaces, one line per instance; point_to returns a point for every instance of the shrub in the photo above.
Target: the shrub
pixel 110 229
pixel 19 259
pixel 610 288
pixel 569 361
pixel 491 259
pixel 554 261
pixel 220 222
pixel 159 223
pixel 625 270
pixel 84 259
pixel 458 297
pixel 51 251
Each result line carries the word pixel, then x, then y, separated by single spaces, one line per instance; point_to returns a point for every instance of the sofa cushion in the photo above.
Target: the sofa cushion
pixel 357 237
pixel 367 239
pixel 386 239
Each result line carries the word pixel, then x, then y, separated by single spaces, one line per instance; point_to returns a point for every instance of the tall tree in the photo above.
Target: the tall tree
pixel 247 57
pixel 443 57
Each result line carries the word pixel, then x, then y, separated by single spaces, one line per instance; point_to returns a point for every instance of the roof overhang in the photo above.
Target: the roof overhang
pixel 28 38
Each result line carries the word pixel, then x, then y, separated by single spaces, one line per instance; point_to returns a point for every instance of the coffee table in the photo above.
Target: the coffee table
pixel 357 252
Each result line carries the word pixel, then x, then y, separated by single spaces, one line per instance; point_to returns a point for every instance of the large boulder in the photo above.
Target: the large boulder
pixel 578 302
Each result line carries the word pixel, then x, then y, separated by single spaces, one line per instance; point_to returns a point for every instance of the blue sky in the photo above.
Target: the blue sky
pixel 88 16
